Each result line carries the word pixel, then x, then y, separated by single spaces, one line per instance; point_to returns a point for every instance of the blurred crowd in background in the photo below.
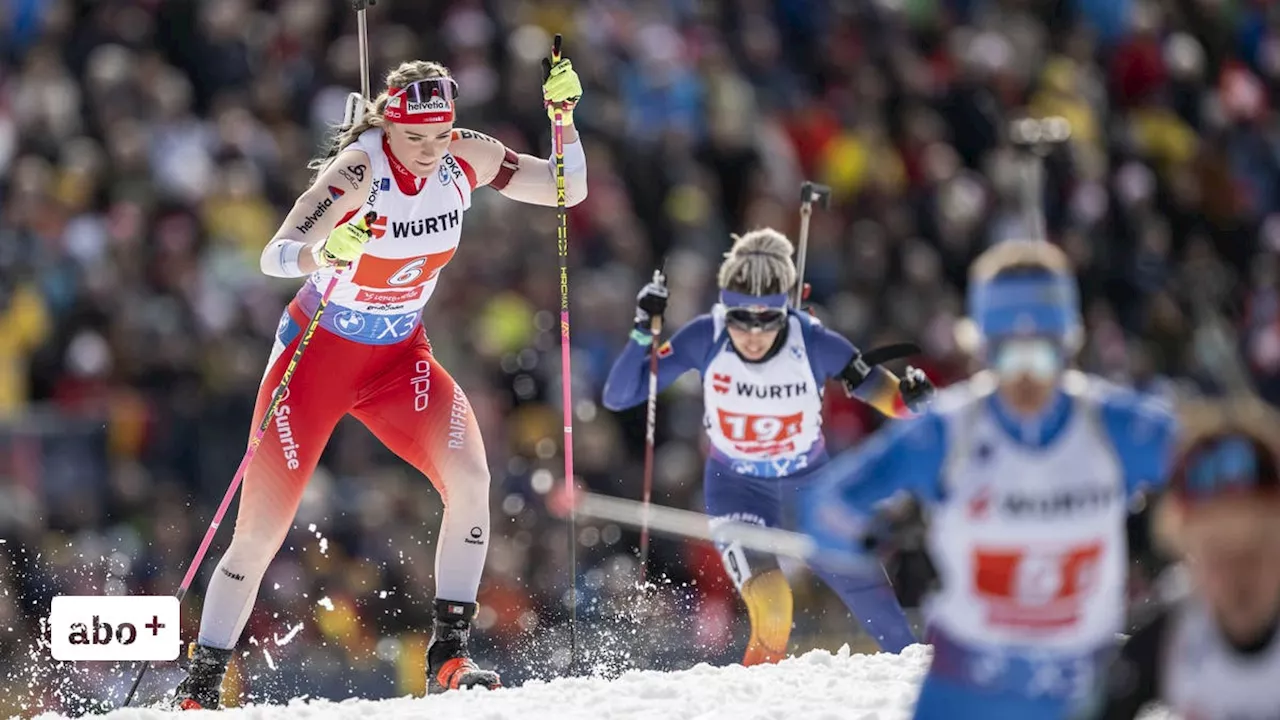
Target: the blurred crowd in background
pixel 150 148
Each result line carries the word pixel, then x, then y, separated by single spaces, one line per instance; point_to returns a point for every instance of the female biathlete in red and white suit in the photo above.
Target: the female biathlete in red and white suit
pixel 370 357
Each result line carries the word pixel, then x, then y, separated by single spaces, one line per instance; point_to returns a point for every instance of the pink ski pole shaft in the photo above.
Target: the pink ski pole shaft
pixel 562 241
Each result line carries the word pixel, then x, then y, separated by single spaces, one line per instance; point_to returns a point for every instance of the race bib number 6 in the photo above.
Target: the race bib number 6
pixel 1042 589
pixel 398 279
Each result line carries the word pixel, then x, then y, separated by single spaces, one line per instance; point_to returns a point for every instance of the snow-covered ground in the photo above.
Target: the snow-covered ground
pixel 816 686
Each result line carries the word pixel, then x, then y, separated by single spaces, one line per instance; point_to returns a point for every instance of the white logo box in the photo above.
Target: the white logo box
pixel 115 627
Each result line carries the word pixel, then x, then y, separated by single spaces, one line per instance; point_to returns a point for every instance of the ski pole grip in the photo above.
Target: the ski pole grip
pixel 811 192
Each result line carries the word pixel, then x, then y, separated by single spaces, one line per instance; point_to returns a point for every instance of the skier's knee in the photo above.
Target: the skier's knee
pixel 251 552
pixel 467 488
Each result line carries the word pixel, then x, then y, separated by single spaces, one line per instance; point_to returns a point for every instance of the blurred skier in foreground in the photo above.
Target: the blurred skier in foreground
pixel 1027 470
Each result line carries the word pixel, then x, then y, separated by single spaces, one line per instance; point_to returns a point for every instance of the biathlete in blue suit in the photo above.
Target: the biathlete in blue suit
pixel 764 367
pixel 1028 471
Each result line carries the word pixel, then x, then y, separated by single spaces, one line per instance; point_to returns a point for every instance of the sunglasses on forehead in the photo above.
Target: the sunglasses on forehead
pixel 1230 464
pixel 747 319
pixel 423 90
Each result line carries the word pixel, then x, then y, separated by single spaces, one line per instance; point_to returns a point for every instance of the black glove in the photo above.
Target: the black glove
pixel 652 301
pixel 916 389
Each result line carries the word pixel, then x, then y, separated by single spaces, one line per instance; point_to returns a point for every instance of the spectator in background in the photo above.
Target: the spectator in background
pixel 24 325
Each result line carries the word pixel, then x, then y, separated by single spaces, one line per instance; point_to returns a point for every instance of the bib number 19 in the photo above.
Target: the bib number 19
pixel 759 428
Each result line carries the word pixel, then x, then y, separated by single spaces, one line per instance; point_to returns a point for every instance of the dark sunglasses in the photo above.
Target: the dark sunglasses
pixel 423 90
pixel 765 320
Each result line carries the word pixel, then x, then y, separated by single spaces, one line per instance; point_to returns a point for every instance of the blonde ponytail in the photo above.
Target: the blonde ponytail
pixel 759 264
pixel 405 74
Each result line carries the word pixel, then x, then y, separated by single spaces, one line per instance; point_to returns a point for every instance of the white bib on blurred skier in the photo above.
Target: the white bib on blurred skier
pixel 1031 545
pixel 1204 679
pixel 412 239
pixel 767 414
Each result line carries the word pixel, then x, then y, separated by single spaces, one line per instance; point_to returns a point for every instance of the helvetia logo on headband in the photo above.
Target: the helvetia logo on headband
pixel 435 104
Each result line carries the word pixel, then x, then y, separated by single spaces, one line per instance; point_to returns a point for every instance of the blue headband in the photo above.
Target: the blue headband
pixel 731 299
pixel 1038 305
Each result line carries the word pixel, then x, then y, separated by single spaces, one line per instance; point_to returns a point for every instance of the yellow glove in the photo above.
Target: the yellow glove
pixel 345 244
pixel 561 88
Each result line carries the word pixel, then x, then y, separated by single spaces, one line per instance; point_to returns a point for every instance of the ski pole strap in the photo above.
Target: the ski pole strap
pixel 644 337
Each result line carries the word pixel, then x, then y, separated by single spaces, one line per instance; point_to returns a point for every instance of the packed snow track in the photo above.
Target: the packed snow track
pixel 816 686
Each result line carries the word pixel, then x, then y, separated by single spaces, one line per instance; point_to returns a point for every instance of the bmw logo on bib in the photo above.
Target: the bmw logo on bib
pixel 444 174
pixel 349 322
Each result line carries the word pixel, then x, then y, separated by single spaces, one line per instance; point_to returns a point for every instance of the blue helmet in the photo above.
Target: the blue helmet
pixel 1027 301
